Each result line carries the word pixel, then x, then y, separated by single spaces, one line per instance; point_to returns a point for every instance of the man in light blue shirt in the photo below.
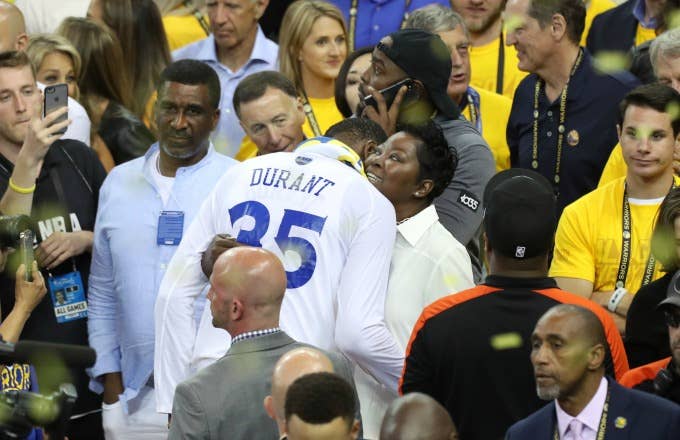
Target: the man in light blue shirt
pixel 236 48
pixel 373 19
pixel 144 207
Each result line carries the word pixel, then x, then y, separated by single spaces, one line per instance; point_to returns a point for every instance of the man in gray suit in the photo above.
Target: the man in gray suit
pixel 224 400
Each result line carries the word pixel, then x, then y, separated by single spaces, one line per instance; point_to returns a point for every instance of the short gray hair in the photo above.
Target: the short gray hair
pixel 435 18
pixel 666 45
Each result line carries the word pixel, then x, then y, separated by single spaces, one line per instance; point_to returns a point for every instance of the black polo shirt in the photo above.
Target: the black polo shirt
pixel 471 351
pixel 591 112
pixel 80 176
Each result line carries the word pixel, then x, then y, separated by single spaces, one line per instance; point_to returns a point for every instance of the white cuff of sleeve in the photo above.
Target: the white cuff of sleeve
pixel 616 298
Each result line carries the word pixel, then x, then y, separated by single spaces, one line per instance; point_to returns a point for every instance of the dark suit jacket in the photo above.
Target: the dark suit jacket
pixel 646 417
pixel 613 30
pixel 225 399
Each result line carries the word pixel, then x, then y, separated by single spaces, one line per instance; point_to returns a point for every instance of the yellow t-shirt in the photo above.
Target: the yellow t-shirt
pixel 484 61
pixel 182 30
pixel 495 111
pixel 589 239
pixel 595 7
pixel 643 34
pixel 326 113
pixel 615 167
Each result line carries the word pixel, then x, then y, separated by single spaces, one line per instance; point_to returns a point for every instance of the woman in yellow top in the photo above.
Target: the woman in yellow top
pixel 312 48
pixel 185 21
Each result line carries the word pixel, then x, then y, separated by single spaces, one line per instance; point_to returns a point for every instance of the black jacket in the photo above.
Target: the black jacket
pixel 613 30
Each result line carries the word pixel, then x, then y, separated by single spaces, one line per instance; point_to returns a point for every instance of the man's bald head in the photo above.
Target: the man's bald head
pixel 12 28
pixel 247 287
pixel 288 368
pixel 588 324
pixel 417 416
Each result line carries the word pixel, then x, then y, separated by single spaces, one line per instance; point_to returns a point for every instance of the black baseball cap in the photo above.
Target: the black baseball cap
pixel 424 57
pixel 520 216
pixel 672 292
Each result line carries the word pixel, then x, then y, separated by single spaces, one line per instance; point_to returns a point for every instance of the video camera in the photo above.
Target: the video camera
pixel 21 411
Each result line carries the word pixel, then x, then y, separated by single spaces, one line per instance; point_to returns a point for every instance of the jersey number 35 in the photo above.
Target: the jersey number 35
pixel 285 242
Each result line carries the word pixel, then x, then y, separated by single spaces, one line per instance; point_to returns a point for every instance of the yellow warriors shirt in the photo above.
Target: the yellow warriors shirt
pixel 643 34
pixel 484 61
pixel 495 110
pixel 589 238
pixel 326 113
pixel 615 167
pixel 182 30
pixel 594 8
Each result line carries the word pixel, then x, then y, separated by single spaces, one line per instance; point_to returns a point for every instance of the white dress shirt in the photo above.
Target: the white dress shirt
pixel 427 264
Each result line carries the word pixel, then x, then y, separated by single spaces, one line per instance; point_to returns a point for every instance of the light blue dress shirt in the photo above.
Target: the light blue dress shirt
pixel 228 135
pixel 128 266
pixel 378 18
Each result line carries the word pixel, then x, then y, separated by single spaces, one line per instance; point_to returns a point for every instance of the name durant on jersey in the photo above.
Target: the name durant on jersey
pixel 284 179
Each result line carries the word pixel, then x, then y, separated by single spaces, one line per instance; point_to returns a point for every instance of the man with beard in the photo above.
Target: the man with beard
pixel 486 110
pixel 567 353
pixel 145 206
pixel 494 66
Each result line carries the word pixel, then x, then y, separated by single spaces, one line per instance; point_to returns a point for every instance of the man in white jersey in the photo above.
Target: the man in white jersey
pixel 334 233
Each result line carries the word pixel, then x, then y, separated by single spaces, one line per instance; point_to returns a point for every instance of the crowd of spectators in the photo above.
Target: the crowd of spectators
pixel 343 219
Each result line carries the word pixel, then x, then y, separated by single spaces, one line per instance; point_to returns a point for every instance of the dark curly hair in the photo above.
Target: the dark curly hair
pixel 320 398
pixel 437 160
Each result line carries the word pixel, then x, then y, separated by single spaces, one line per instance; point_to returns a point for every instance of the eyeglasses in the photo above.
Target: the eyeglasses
pixel 672 319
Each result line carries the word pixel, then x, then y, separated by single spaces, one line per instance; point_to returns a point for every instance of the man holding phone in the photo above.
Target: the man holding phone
pixel 56 182
pixel 13 37
pixel 406 82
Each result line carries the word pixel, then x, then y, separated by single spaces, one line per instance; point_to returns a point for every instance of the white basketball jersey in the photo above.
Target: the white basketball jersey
pixel 334 233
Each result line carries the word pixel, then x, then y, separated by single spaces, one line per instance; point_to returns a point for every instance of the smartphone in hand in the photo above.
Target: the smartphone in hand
pixel 389 93
pixel 26 239
pixel 56 97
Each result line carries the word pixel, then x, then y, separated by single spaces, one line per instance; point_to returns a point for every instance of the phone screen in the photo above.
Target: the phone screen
pixel 56 97
pixel 26 249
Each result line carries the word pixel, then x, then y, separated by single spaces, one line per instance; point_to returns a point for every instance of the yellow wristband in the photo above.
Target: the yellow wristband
pixel 20 189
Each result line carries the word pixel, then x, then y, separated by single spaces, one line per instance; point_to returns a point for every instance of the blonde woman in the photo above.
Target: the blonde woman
pixel 55 61
pixel 312 48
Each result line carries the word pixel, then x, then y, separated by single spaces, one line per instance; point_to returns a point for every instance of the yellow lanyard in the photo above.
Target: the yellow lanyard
pixel 309 112
pixel 560 128
pixel 603 421
pixel 199 16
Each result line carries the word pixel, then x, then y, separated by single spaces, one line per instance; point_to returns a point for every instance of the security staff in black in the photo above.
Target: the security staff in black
pixel 470 350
